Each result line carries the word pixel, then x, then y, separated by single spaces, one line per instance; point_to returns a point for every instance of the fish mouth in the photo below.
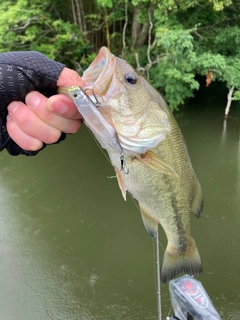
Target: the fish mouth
pixel 99 75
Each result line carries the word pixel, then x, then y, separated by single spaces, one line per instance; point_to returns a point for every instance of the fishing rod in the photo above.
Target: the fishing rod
pixel 159 302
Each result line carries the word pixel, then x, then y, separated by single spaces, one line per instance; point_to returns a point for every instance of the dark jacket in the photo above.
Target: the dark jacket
pixel 20 73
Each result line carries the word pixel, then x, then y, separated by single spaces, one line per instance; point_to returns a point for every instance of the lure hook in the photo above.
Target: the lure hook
pixel 96 102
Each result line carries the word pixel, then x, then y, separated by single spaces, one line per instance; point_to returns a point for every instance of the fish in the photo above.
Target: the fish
pixel 153 163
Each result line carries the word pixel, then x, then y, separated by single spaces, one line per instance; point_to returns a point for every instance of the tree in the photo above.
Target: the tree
pixel 36 25
pixel 171 42
pixel 191 38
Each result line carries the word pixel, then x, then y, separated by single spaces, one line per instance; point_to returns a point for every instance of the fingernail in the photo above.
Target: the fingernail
pixel 13 106
pixel 63 108
pixel 33 99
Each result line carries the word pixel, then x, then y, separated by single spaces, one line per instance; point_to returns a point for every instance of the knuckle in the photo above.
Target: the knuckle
pixel 11 127
pixel 75 126
pixel 23 116
pixel 52 136
pixel 34 145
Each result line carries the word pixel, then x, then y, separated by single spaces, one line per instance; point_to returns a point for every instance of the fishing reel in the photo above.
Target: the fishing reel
pixel 190 301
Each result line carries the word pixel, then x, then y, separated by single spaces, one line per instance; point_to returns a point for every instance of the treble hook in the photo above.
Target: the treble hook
pixel 96 102
pixel 123 167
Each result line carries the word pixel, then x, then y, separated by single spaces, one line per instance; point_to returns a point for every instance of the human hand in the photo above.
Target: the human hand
pixel 42 120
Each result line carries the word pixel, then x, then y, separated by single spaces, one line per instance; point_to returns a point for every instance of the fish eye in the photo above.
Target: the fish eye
pixel 131 78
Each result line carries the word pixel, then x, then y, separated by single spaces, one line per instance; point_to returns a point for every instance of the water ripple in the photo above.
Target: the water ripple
pixel 234 317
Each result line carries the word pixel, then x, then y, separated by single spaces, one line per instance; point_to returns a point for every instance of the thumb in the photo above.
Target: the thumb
pixel 69 77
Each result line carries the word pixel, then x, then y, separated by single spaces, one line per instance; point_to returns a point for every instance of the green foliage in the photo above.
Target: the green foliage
pixel 36 28
pixel 219 5
pixel 194 40
pixel 228 40
pixel 105 3
pixel 236 96
pixel 173 73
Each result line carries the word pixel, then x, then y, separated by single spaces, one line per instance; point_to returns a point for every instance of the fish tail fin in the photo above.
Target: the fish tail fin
pixel 175 262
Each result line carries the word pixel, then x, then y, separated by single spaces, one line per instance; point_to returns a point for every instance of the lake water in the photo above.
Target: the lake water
pixel 71 248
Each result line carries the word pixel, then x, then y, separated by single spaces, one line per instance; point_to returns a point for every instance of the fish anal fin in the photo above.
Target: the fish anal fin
pixel 197 202
pixel 121 183
pixel 150 224
pixel 175 262
pixel 154 161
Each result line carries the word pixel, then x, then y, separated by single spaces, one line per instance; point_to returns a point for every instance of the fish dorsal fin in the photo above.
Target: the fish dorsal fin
pixel 152 160
pixel 121 183
pixel 149 223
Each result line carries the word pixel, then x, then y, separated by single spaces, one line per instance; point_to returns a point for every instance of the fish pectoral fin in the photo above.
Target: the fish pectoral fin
pixel 149 223
pixel 152 160
pixel 121 183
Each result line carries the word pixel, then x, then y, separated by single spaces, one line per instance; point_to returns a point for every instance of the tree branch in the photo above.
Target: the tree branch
pixel 124 28
pixel 27 22
pixel 229 96
pixel 149 34
pixel 73 12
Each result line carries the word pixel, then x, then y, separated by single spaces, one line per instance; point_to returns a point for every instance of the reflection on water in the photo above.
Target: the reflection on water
pixel 71 248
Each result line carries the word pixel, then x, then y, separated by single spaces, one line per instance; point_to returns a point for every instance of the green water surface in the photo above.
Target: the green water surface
pixel 71 247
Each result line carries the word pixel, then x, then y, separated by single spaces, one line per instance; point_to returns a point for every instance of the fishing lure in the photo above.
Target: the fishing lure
pixel 88 106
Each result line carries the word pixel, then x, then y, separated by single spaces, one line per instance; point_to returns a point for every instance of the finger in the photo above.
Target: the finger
pixel 69 78
pixel 29 122
pixel 63 106
pixel 38 103
pixel 21 138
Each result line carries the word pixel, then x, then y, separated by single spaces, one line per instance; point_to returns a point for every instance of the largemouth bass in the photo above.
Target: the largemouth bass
pixel 155 166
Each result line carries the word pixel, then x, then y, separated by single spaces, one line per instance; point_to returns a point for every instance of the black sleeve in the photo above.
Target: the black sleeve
pixel 20 73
